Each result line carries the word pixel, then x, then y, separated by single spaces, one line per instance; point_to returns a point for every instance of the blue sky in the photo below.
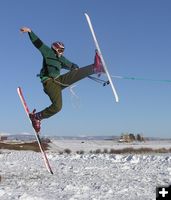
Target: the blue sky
pixel 134 37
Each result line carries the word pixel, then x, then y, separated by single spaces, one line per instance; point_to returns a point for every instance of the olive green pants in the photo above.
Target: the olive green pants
pixel 53 88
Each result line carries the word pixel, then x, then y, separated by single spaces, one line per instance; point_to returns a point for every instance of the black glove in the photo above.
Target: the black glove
pixel 74 67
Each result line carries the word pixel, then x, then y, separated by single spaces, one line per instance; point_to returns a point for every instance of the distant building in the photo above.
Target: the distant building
pixel 2 137
pixel 129 137
pixel 124 138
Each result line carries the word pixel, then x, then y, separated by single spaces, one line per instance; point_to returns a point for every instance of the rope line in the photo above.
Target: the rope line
pixel 142 79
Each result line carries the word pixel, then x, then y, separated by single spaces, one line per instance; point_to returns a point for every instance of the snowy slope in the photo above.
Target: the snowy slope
pixel 82 177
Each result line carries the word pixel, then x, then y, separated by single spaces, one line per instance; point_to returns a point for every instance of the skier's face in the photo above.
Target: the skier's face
pixel 60 52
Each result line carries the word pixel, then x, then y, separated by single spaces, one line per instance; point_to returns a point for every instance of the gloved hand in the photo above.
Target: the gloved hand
pixel 74 67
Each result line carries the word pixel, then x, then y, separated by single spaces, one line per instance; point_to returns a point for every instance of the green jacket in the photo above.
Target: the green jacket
pixel 52 64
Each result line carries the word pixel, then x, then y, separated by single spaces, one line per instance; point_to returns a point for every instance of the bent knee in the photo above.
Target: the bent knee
pixel 57 108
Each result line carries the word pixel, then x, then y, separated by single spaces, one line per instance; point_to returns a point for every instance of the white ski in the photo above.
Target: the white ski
pixel 36 134
pixel 102 59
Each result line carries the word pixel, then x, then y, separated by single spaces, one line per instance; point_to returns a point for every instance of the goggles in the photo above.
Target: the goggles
pixel 60 50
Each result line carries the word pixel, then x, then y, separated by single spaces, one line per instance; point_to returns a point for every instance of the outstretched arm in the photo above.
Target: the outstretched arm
pixel 35 40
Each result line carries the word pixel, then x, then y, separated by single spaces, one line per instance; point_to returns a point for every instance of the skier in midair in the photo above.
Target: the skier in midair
pixel 54 82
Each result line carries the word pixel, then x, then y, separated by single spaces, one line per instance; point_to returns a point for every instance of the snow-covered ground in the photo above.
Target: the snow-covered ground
pixel 83 177
pixel 92 145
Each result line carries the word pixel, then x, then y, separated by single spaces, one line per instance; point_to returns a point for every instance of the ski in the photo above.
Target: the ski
pixel 46 161
pixel 102 59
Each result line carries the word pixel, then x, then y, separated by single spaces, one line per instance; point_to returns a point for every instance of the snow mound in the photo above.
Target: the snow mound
pixel 82 177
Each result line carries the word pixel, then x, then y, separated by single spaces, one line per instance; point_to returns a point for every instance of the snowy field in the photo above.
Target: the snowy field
pixel 86 176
